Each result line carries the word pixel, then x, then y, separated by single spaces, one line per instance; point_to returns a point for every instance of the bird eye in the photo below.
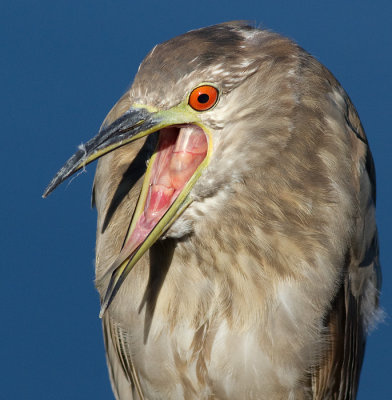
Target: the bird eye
pixel 203 97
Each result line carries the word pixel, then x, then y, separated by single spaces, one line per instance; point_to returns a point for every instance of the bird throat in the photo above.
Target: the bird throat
pixel 179 152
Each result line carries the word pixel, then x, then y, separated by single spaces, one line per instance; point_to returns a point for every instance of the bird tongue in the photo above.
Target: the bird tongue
pixel 180 151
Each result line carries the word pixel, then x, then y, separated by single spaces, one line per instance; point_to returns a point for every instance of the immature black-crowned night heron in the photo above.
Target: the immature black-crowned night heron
pixel 237 248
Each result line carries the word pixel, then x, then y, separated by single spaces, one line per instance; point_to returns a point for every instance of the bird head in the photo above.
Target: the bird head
pixel 204 95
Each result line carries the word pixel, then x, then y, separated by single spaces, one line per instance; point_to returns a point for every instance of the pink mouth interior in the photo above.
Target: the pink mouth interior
pixel 180 151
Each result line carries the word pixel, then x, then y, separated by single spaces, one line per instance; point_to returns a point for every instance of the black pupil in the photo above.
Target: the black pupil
pixel 203 98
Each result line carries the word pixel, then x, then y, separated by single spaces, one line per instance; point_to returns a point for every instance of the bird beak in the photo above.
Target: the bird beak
pixel 182 152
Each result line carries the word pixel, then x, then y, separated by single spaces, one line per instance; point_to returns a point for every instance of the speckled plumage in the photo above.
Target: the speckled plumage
pixel 266 286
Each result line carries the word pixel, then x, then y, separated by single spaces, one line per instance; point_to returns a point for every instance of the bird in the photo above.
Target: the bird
pixel 236 251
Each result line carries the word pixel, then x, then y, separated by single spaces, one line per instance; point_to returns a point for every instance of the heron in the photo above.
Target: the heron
pixel 236 248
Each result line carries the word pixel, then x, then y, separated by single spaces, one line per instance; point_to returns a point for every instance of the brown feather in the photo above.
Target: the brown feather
pixel 266 286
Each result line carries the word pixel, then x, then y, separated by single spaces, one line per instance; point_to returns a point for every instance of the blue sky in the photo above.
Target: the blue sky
pixel 63 65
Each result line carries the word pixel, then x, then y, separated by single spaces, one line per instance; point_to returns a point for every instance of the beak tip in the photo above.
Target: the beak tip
pixel 104 307
pixel 46 192
pixel 52 185
pixel 109 137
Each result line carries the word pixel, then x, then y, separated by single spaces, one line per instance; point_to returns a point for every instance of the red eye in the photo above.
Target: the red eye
pixel 203 98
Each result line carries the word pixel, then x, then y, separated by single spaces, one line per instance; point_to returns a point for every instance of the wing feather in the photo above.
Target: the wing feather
pixel 123 376
pixel 355 306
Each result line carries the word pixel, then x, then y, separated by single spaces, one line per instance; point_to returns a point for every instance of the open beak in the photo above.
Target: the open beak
pixel 182 152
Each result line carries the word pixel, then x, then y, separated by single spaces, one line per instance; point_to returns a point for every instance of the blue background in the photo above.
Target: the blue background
pixel 63 65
